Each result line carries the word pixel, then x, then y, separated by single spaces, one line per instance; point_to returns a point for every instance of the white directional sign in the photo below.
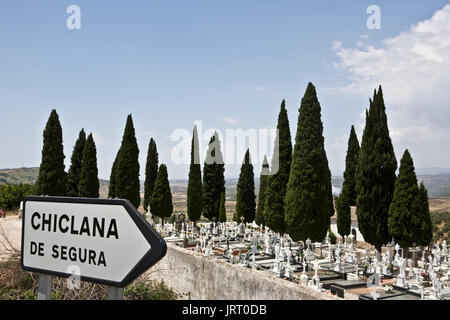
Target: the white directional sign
pixel 100 240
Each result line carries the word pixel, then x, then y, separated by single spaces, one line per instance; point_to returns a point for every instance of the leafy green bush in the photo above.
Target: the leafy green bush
pixel 12 194
pixel 332 236
pixel 439 217
pixel 149 290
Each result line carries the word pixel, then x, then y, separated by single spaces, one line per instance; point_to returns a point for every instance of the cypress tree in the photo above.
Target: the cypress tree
pixel 89 185
pixel 161 200
pixel 127 184
pixel 74 174
pixel 194 189
pixel 405 218
pixel 427 226
pixel 348 194
pixel 265 171
pixel 151 171
pixel 245 198
pixel 343 212
pixel 375 175
pixel 277 181
pixel 222 209
pixel 351 162
pixel 52 179
pixel 308 195
pixel 112 178
pixel 213 179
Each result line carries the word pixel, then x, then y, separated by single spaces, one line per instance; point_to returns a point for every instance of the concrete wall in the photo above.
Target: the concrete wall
pixel 359 236
pixel 209 278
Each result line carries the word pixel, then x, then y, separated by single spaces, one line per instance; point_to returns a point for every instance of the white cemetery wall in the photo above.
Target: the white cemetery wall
pixel 359 236
pixel 210 278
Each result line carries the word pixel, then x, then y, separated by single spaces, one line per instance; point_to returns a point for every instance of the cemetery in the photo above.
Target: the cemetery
pixel 322 270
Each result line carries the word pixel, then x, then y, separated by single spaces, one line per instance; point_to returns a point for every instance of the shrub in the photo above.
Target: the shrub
pixel 16 284
pixel 332 236
pixel 149 290
pixel 12 194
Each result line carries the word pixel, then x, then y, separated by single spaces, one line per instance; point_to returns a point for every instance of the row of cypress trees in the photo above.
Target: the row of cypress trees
pixel 124 178
pixel 386 206
pixel 296 198
pixel 208 197
pixel 82 178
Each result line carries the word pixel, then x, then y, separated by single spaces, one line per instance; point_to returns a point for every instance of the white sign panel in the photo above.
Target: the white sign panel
pixel 106 241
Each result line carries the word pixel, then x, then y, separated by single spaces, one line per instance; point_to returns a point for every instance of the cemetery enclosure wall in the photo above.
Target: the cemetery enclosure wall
pixel 208 278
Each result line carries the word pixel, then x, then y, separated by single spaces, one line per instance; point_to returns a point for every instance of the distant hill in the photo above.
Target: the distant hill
pixel 19 175
pixel 436 181
pixel 432 171
pixel 438 185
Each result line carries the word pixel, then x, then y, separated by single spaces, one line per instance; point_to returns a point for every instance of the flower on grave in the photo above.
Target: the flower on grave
pixel 388 289
pixel 425 276
pixel 364 264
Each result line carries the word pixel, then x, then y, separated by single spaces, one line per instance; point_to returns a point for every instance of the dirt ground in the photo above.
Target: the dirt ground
pixel 10 230
pixel 439 204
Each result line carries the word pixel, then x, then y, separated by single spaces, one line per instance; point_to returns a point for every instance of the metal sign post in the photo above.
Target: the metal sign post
pixel 44 287
pixel 115 293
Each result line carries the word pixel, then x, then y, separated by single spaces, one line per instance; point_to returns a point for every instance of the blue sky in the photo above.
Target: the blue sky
pixel 226 63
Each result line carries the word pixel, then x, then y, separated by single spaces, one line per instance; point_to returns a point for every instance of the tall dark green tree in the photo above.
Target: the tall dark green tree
pixel 89 185
pixel 194 189
pixel 265 171
pixel 74 174
pixel 161 200
pixel 375 175
pixel 52 179
pixel 405 218
pixel 277 181
pixel 222 209
pixel 308 199
pixel 151 171
pixel 245 197
pixel 213 179
pixel 112 178
pixel 351 162
pixel 427 226
pixel 348 194
pixel 343 213
pixel 127 184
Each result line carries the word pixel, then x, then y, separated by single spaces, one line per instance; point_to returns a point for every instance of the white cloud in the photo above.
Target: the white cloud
pixel 414 70
pixel 230 120
pixel 97 139
pixel 261 89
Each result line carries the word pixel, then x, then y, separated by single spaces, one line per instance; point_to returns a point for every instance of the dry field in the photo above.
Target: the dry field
pixel 440 204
